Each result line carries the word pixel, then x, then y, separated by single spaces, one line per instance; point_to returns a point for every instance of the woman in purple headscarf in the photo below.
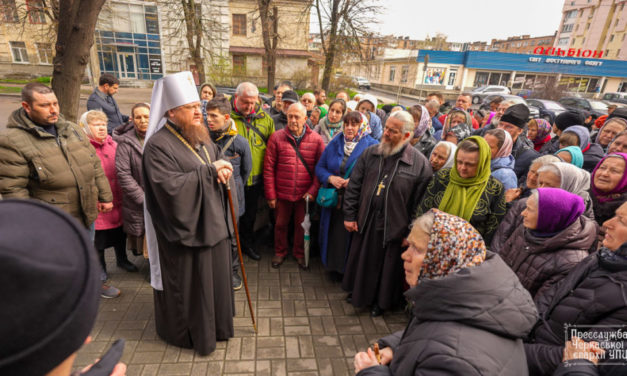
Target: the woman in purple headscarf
pixel 539 132
pixel 609 186
pixel 552 239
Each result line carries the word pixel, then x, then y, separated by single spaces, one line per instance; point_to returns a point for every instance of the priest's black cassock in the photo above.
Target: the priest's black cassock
pixel 190 214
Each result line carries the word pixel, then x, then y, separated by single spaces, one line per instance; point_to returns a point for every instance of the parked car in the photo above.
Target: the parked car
pixel 548 109
pixel 483 91
pixel 362 83
pixel 615 98
pixel 524 93
pixel 596 108
pixel 534 112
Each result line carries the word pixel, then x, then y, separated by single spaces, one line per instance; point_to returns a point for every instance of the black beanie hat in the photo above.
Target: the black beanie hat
pixel 517 114
pixel 50 298
pixel 569 118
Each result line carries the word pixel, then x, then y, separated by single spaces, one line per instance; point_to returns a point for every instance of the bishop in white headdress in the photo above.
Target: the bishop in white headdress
pixel 189 231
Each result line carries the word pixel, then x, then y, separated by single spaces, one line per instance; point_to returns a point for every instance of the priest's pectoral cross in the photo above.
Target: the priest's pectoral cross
pixel 381 185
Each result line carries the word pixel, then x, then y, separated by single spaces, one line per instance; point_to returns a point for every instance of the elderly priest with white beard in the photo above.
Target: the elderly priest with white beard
pixel 385 187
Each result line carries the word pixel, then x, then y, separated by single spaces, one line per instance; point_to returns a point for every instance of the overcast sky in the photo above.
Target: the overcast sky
pixel 468 20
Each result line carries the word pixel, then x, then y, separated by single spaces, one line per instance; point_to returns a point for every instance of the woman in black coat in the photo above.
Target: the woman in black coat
pixel 590 298
pixel 552 239
pixel 470 312
pixel 128 166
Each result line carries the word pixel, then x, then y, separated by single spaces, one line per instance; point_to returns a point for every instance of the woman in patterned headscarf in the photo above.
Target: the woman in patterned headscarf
pixel 333 170
pixel 539 132
pixel 458 126
pixel 423 139
pixel 462 295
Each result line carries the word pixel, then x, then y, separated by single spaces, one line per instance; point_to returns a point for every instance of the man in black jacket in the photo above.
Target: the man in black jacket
pixel 102 99
pixel 514 121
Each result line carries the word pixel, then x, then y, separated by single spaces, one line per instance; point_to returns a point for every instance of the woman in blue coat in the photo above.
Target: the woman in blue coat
pixel 333 170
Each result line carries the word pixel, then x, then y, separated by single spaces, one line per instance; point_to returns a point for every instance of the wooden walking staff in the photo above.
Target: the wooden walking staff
pixel 239 253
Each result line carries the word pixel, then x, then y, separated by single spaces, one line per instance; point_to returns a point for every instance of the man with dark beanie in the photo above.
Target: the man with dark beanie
pixel 48 261
pixel 514 121
pixel 562 121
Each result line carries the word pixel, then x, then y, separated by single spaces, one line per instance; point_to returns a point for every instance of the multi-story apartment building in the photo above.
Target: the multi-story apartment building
pixel 26 43
pixel 597 25
pixel 246 48
pixel 522 44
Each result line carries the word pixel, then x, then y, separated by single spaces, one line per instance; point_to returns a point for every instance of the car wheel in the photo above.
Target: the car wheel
pixel 476 100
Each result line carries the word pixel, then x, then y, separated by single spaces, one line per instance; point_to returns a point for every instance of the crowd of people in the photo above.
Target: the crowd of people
pixel 497 231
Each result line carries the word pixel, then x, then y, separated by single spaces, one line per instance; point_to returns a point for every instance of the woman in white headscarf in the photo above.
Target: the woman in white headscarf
pixel 442 155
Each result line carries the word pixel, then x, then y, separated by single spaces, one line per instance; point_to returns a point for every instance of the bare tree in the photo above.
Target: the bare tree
pixel 199 26
pixel 75 36
pixel 269 16
pixel 343 23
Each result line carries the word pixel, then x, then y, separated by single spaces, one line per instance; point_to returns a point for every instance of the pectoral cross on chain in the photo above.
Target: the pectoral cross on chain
pixel 381 185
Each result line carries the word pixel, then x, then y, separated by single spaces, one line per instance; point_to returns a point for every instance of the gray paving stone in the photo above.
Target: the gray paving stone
pixel 305 327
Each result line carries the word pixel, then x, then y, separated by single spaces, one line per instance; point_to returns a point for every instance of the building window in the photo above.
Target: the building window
pixel 8 11
pixel 392 73
pixel 18 49
pixel 36 14
pixel 607 53
pixel 563 41
pixel 567 28
pixel 239 64
pixel 239 24
pixel 611 37
pixel 587 26
pixel 404 73
pixel 45 53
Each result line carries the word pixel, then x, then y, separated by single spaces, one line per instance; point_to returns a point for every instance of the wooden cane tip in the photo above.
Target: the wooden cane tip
pixel 255 326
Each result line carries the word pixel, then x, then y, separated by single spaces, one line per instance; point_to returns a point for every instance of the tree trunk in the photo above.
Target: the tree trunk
pixel 75 36
pixel 329 59
pixel 269 28
pixel 193 23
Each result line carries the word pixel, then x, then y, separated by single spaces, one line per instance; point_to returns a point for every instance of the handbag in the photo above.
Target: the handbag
pixel 327 197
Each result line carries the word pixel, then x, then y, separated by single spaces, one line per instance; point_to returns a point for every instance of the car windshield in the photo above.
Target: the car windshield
pixel 550 105
pixel 598 105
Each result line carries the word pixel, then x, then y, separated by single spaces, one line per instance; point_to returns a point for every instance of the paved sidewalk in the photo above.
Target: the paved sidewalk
pixel 305 326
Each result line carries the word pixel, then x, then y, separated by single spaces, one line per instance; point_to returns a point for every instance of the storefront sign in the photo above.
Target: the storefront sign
pixel 551 60
pixel 571 52
pixel 155 65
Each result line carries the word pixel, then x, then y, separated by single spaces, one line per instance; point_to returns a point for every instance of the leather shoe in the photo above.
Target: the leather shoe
pixel 277 261
pixel 301 263
pixel 349 298
pixel 127 265
pixel 376 311
pixel 252 254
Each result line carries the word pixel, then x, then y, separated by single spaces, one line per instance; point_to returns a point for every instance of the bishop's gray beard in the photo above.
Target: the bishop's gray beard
pixel 195 134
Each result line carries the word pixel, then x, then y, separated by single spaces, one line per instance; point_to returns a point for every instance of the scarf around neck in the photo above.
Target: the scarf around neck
pixel 462 194
pixel 329 129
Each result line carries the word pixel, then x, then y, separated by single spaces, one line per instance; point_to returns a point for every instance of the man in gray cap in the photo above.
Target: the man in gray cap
pixel 189 228
pixel 288 98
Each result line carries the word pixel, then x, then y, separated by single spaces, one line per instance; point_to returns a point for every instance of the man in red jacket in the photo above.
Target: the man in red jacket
pixel 288 175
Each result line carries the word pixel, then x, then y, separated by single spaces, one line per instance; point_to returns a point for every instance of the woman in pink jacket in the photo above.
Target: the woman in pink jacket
pixel 109 231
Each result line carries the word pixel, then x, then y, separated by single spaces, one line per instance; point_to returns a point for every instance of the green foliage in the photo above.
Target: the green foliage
pixel 43 80
pixel 10 89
